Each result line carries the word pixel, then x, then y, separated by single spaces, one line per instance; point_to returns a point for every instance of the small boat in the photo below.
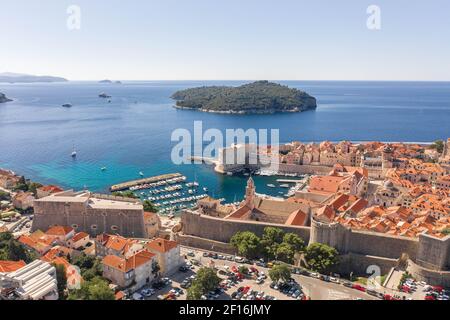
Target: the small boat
pixel 205 189
pixel 104 95
pixel 74 153
pixel 271 186
pixel 67 105
pixel 141 174
pixel 285 186
pixel 103 169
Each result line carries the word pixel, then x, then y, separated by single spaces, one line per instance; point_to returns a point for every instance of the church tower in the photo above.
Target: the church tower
pixel 250 194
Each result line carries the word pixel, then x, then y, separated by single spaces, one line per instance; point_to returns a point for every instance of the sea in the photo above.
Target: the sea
pixel 132 133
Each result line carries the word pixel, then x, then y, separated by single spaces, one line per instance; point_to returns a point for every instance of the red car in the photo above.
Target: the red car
pixel 254 270
pixel 406 289
pixel 438 289
pixel 246 290
pixel 430 298
pixel 234 269
pixel 358 287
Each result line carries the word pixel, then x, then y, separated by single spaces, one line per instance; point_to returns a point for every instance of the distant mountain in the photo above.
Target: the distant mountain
pixel 3 98
pixel 9 77
pixel 109 82
pixel 261 97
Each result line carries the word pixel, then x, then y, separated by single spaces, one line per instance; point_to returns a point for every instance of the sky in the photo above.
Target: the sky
pixel 227 39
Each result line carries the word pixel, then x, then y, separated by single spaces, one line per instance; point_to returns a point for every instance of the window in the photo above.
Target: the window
pixel 94 227
pixel 75 226
pixel 114 228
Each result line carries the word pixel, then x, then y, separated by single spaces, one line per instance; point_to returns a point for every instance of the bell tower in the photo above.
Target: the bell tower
pixel 250 193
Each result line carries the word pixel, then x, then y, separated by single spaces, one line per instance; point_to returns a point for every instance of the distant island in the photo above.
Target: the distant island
pixel 3 98
pixel 109 82
pixel 9 77
pixel 261 97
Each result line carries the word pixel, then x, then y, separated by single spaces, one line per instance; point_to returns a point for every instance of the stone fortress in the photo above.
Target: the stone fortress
pixel 425 253
pixel 92 213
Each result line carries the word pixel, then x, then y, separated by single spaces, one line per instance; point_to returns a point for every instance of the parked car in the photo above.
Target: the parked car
pixel 359 287
pixel 137 296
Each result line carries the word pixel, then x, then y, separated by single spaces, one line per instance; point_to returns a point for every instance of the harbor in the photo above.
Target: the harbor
pixel 170 193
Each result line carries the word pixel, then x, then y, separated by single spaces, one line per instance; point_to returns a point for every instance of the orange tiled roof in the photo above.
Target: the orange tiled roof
pixel 161 245
pixel 11 266
pixel 59 231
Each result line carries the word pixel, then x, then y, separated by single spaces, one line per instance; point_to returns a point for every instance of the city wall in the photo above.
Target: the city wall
pixel 222 230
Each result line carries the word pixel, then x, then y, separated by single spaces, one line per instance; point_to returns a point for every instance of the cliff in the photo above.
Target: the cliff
pixel 261 97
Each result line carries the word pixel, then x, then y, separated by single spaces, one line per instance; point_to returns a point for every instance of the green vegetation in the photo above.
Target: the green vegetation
pixel 90 267
pixel 321 258
pixel 26 185
pixel 247 244
pixel 4 196
pixel 206 281
pixel 405 276
pixel 125 194
pixel 280 272
pixel 94 289
pixel 438 146
pixel 13 250
pixel 257 97
pixel 274 244
pixel 149 206
pixel 61 278
pixel 446 231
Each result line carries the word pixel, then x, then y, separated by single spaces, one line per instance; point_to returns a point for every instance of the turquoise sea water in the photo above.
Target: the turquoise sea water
pixel 132 133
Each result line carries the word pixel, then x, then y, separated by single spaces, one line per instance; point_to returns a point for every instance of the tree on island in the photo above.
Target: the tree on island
pixel 321 257
pixel 207 280
pixel 280 272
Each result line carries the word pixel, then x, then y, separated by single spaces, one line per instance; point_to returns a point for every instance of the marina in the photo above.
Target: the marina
pixel 142 182
pixel 170 193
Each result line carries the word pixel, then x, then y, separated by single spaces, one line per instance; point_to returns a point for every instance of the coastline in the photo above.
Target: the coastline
pixel 254 111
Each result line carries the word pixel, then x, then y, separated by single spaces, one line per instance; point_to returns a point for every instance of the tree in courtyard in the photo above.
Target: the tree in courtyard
pixel 16 252
pixel 61 278
pixel 280 272
pixel 95 289
pixel 149 206
pixel 247 244
pixel 243 270
pixel 321 257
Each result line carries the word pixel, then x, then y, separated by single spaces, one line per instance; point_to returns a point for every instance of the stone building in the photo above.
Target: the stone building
pixel 90 213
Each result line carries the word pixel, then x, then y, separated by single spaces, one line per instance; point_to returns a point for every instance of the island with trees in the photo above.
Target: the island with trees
pixel 3 98
pixel 261 97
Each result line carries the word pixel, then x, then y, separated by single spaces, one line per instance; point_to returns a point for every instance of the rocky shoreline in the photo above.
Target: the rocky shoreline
pixel 3 98
pixel 246 112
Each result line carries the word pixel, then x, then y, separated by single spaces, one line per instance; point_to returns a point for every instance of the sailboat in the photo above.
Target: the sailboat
pixel 141 174
pixel 74 153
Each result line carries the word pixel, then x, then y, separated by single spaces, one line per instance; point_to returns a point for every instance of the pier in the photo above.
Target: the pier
pixel 290 181
pixel 130 184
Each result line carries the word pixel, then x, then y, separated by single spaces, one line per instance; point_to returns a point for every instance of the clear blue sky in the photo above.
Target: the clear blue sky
pixel 227 39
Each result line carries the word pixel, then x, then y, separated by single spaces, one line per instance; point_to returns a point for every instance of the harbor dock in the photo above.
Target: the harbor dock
pixel 130 184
